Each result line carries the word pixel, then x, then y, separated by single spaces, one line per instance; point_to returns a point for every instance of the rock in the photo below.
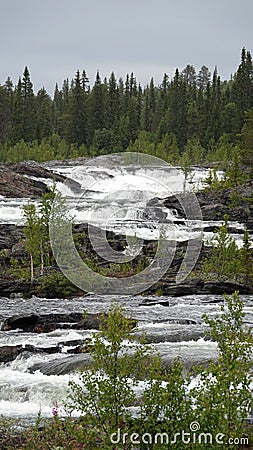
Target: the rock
pixel 10 288
pixel 16 181
pixel 85 347
pixel 91 322
pixel 181 333
pixel 18 249
pixel 224 287
pixel 198 286
pixel 188 287
pixel 17 321
pixel 10 235
pixel 34 169
pixel 45 323
pixel 49 350
pixel 190 355
pixel 173 202
pixel 9 352
pixel 62 366
pixel 75 342
pixel 215 211
pixel 14 185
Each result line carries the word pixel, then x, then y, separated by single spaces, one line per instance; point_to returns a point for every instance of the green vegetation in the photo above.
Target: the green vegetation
pixel 226 261
pixel 219 403
pixel 195 114
pixel 105 392
pixel 224 394
pixel 36 262
pixel 36 230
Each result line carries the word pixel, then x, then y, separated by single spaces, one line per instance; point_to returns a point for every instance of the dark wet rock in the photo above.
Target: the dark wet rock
pixel 188 287
pixel 199 286
pixel 14 185
pixel 74 342
pixel 24 322
pixel 173 203
pixel 10 235
pixel 154 213
pixel 85 347
pixel 33 169
pixel 16 181
pixel 235 202
pixel 224 287
pixel 46 323
pixel 194 286
pixel 9 288
pixel 9 352
pixel 91 322
pixel 49 350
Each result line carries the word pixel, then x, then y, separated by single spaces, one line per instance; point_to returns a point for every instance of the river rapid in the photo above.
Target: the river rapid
pixel 174 325
pixel 176 329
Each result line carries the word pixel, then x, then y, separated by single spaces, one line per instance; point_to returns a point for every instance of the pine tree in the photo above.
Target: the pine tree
pixel 203 78
pixel 57 111
pixel 85 82
pixel 242 87
pixel 44 126
pixel 28 106
pixel 112 113
pixel 77 126
pixel 5 115
pixel 246 141
pixel 17 131
pixel 97 107
pixel 178 109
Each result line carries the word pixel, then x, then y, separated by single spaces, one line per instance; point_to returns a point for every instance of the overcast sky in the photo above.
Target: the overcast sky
pixel 54 38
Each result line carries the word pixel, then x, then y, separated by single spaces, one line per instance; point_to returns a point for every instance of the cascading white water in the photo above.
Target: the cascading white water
pixel 25 394
pixel 120 197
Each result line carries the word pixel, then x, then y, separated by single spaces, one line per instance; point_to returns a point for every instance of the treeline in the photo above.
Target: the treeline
pixel 194 112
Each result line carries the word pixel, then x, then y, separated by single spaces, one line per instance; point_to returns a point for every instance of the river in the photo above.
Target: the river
pixel 118 197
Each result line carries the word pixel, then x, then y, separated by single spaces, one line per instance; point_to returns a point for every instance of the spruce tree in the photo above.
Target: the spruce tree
pixel 17 131
pixel 242 88
pixel 44 125
pixel 77 126
pixel 28 106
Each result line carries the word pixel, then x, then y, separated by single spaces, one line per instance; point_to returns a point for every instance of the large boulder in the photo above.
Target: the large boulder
pixel 16 181
pixel 24 322
pixel 9 352
pixel 45 323
pixel 61 366
pixel 10 288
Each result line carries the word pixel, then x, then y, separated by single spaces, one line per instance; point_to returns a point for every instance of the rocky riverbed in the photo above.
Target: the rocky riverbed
pixel 45 337
pixel 29 180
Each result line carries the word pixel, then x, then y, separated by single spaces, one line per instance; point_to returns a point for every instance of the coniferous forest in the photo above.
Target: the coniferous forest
pixel 194 115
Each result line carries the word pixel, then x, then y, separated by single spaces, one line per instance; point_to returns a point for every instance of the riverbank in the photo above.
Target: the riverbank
pixel 54 284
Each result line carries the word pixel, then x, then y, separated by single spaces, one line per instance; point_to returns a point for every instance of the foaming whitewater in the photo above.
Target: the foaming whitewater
pixel 117 199
pixel 120 199
pixel 175 330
